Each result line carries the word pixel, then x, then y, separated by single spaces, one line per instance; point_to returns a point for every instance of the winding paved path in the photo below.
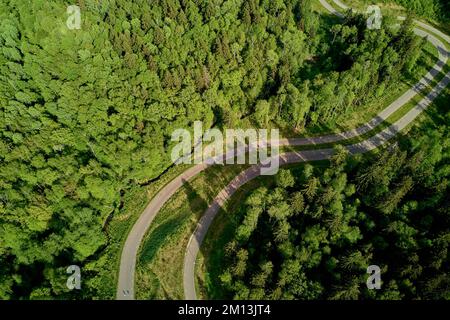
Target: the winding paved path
pixel 125 289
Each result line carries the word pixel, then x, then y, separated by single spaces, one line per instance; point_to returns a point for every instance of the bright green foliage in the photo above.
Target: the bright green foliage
pixel 434 9
pixel 87 114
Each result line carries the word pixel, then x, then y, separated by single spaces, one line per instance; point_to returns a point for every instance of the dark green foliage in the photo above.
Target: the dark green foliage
pixel 434 9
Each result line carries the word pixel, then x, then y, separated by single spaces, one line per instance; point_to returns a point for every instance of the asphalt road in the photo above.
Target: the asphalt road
pixel 125 288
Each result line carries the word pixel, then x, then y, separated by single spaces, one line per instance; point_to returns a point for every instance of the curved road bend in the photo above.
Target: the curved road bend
pixel 125 289
pixel 304 156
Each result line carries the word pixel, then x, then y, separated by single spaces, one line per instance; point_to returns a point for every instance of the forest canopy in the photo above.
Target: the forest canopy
pixel 87 113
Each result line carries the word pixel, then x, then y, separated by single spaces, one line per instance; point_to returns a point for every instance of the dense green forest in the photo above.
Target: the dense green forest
pixel 86 114
pixel 313 233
